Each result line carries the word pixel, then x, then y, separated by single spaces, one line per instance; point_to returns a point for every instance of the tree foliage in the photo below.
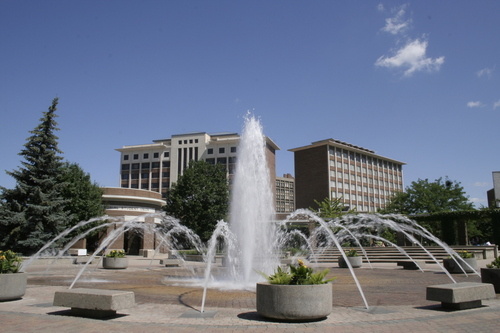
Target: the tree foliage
pixel 84 197
pixel 34 211
pixel 425 197
pixel 200 198
pixel 331 208
pixel 49 195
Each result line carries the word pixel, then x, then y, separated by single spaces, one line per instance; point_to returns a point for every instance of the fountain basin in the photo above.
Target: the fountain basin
pixel 294 302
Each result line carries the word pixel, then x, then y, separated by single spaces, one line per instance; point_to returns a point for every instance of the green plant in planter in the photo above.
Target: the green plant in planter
pixel 116 254
pixel 351 253
pixel 465 254
pixel 10 262
pixel 298 274
pixel 494 264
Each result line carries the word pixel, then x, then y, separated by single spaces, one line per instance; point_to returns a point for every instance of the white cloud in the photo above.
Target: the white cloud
pixel 496 104
pixel 474 104
pixel 412 57
pixel 380 7
pixel 477 200
pixel 397 24
pixel 485 72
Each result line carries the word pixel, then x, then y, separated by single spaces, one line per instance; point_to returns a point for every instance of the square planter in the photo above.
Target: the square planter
pixel 491 275
pixel 12 286
pixel 294 302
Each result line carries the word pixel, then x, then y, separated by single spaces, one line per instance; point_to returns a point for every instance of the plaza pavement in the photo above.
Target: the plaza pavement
pixel 169 300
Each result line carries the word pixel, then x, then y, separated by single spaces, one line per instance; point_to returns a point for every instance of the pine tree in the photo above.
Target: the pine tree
pixel 34 211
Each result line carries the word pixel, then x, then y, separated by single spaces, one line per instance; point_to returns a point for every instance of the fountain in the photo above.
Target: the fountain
pixel 253 240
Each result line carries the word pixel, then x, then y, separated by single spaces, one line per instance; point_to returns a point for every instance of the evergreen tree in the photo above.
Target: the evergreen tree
pixel 34 211
pixel 200 198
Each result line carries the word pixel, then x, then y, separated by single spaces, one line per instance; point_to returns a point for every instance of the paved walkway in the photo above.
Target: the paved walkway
pixel 169 300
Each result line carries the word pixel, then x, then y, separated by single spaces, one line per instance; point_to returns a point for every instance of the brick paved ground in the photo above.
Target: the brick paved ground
pixel 166 302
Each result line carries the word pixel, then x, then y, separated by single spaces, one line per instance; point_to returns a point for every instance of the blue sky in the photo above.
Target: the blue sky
pixel 416 81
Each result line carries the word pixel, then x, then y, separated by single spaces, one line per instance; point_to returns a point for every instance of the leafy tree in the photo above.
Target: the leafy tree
pixel 84 198
pixel 331 208
pixel 34 211
pixel 424 197
pixel 200 197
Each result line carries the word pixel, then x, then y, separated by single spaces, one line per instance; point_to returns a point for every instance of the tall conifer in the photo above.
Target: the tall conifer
pixel 33 212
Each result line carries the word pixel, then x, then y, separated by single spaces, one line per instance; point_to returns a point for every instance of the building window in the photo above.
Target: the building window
pixel 233 149
pixel 165 164
pixel 166 154
pixel 145 165
pixel 222 150
pixel 125 157
pixel 156 155
pixel 145 156
pixel 210 160
pixel 155 165
pixel 210 151
pixel 125 167
pixel 136 156
pixel 135 166
pixel 222 160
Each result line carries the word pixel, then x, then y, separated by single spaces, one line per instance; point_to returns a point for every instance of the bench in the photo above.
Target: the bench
pixel 408 264
pixel 170 262
pixel 462 295
pixel 94 303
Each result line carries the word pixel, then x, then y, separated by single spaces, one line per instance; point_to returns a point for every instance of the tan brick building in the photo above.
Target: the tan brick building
pixel 334 169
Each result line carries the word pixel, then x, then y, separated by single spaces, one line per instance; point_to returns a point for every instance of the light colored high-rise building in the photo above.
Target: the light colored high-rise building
pixel 157 166
pixel 285 195
pixel 334 169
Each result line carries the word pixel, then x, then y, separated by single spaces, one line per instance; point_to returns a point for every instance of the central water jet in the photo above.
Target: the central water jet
pixel 252 213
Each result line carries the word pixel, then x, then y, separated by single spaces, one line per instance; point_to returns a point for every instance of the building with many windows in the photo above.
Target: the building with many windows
pixel 334 169
pixel 285 195
pixel 157 166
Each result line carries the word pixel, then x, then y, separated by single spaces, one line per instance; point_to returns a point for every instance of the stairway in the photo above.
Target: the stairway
pixel 393 254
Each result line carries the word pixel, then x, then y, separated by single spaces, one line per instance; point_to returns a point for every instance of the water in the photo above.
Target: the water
pixel 254 248
pixel 252 240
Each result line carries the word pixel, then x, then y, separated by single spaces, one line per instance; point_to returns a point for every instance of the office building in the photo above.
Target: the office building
pixel 334 169
pixel 285 195
pixel 494 193
pixel 157 166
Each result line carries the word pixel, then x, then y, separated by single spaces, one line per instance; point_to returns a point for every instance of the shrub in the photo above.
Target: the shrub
pixel 10 262
pixel 298 274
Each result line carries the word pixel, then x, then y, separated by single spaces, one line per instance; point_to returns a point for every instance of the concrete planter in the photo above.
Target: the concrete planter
pixel 491 275
pixel 294 303
pixel 114 263
pixel 12 286
pixel 355 262
pixel 451 266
